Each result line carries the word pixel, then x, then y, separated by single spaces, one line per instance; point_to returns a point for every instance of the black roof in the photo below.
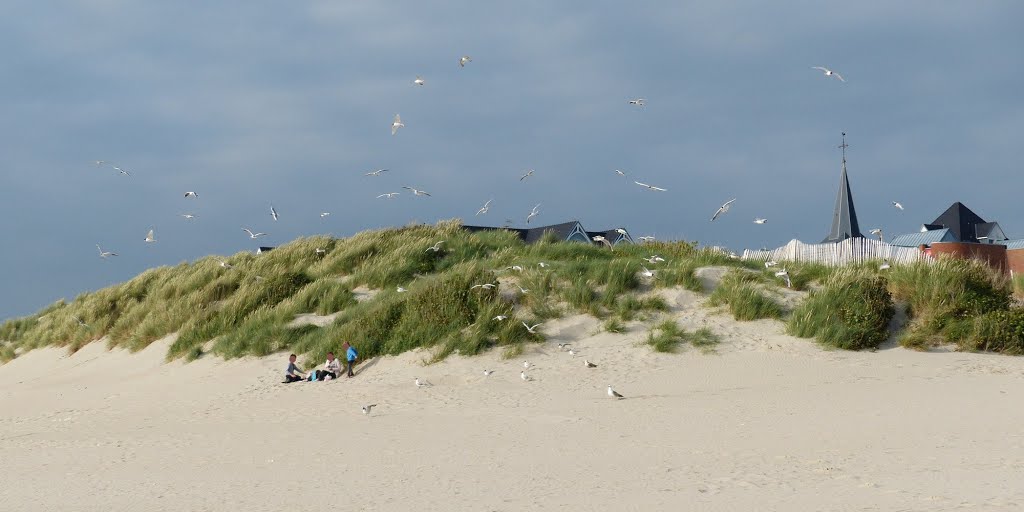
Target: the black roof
pixel 962 222
pixel 844 217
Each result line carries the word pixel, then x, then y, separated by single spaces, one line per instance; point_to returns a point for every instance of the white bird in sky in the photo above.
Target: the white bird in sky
pixel 99 162
pixel 188 216
pixel 389 195
pixel 614 394
pixel 722 209
pixel 529 172
pixel 588 364
pixel 499 318
pixel 325 214
pixel 533 213
pixel 620 173
pixel 120 170
pixel 524 376
pixel 785 275
pixel 191 194
pixel 417 192
pixel 651 187
pixel 376 173
pixel 464 60
pixel 150 237
pixel 485 208
pixel 531 328
pixel 368 407
pixel 419 80
pixel 637 101
pixel 253 235
pixel 897 205
pixel 877 232
pixel 105 254
pixel 273 212
pixel 758 220
pixel 397 124
pixel 829 73
pixel 436 247
pixel 421 383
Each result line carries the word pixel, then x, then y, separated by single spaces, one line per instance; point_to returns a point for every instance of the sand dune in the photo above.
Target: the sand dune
pixel 770 422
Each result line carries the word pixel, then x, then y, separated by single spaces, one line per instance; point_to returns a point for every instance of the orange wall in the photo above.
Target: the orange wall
pixel 993 254
pixel 1015 260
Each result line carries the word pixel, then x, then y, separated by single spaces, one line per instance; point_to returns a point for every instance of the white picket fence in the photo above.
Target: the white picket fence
pixel 851 250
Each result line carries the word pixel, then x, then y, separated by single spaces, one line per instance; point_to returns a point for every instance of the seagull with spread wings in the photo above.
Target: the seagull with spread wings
pixel 651 187
pixel 722 209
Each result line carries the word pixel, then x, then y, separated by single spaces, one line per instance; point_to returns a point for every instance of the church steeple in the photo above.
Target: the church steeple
pixel 844 218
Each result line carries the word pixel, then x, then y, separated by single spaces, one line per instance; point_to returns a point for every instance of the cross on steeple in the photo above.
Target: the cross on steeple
pixel 844 217
pixel 843 146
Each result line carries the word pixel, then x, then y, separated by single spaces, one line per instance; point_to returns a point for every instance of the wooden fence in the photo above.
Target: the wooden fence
pixel 851 250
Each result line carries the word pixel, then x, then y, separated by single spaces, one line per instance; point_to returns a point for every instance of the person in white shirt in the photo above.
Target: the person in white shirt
pixel 332 368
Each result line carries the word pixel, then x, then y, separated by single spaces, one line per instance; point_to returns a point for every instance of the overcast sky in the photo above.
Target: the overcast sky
pixel 256 103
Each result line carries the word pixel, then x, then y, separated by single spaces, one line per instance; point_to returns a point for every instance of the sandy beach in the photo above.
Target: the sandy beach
pixel 768 422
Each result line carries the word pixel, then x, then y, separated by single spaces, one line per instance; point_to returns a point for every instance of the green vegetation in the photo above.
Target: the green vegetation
pixel 745 297
pixel 668 337
pixel 244 304
pixel 851 311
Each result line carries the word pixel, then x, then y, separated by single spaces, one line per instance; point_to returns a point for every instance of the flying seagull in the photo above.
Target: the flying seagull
pixel 654 259
pixel 529 172
pixel 620 173
pixel 637 101
pixel 325 214
pixel 531 328
pixel 188 216
pixel 273 212
pixel 465 59
pixel 722 209
pixel 785 275
pixel 651 187
pixel 878 232
pixel 417 192
pixel 419 81
pixel 588 364
pixel 120 170
pixel 645 238
pixel 192 194
pixel 366 408
pixel 897 205
pixel 389 195
pixel 646 272
pixel 829 72
pixel 603 240
pixel 376 173
pixel 436 247
pixel 486 286
pixel 485 208
pixel 252 235
pixel 150 237
pixel 105 254
pixel 758 220
pixel 396 124
pixel 533 213
pixel 614 394
pixel 499 318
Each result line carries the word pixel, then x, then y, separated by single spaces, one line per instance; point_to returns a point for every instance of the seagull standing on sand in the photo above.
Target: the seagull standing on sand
pixel 150 237
pixel 396 124
pixel 191 194
pixel 651 187
pixel 252 235
pixel 614 394
pixel 829 73
pixel 897 205
pixel 419 81
pixel 485 208
pixel 760 221
pixel 421 383
pixel 366 408
pixel 436 247
pixel 722 209
pixel 588 364
pixel 526 364
pixel 524 376
pixel 105 254
pixel 533 213
pixel 529 172
pixel 487 373
pixel 464 60
pixel 417 192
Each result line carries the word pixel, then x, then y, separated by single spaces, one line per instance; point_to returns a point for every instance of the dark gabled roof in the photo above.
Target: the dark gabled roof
pixel 929 227
pixel 961 221
pixel 612 236
pixel 844 217
pixel 264 249
pixel 990 231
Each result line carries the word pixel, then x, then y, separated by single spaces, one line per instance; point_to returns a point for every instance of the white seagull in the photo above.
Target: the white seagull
pixel 542 265
pixel 531 328
pixel 588 364
pixel 526 364
pixel 529 172
pixel 620 173
pixel 645 238
pixel 421 383
pixel 487 286
pixel 252 235
pixel 436 247
pixel 150 237
pixel 188 216
pixel 400 290
pixel 487 373
pixel 637 101
pixel 366 408
pixel 614 394
pixel 389 195
pixel 120 170
pixel 465 59
pixel 770 264
pixel 396 124
pixel 758 220
pixel 485 208
pixel 325 214
pixel 878 232
pixel 533 213
pixel 785 275
pixel 191 194
pixel 654 259
pixel 419 81
pixel 522 290
pixel 499 318
pixel 417 192
pixel 651 187
pixel 884 266
pixel 603 240
pixel 273 212
pixel 829 73
pixel 524 376
pixel 722 209
pixel 225 264
pixel 517 268
pixel 105 254
pixel 646 273
pixel 376 173
pixel 897 205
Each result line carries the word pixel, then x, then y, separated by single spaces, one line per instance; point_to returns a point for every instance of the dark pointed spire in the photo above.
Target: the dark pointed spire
pixel 844 218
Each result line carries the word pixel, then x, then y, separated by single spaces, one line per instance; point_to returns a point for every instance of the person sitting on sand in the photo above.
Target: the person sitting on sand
pixel 350 355
pixel 332 368
pixel 292 374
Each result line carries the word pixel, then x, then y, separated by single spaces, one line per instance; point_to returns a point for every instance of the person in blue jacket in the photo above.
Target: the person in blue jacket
pixel 350 356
